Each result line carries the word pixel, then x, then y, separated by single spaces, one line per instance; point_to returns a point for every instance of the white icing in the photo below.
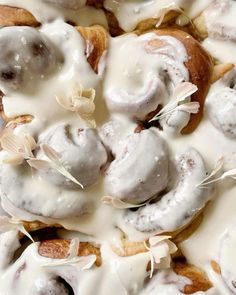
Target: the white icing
pixel 227 258
pixel 220 19
pixel 221 105
pixel 136 85
pixel 37 195
pixel 130 13
pixel 178 206
pixel 127 178
pixel 45 12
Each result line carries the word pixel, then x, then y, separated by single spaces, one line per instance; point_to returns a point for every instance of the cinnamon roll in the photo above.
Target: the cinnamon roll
pixel 117 160
pixel 169 57
pixel 221 104
pixel 180 204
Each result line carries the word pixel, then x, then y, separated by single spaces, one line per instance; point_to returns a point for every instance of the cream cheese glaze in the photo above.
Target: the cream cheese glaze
pixel 220 18
pixel 44 195
pixel 130 13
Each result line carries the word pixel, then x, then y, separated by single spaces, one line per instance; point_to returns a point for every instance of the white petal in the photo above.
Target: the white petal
pixel 39 164
pixel 184 90
pixel 50 153
pixel 11 143
pixel 230 173
pixel 13 160
pixel 189 107
pixel 74 247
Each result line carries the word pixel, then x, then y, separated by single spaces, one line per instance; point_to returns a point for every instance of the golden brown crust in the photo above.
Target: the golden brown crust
pixel 185 232
pixel 215 266
pixel 200 67
pixel 168 20
pixel 96 43
pixel 13 16
pixel 129 248
pixel 200 281
pixel 59 249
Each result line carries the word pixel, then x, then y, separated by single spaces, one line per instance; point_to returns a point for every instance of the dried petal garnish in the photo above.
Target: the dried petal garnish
pixel 55 163
pixel 39 164
pixel 81 101
pixel 19 147
pixel 117 203
pixel 83 262
pixel 178 101
pixel 210 178
pixel 9 224
pixel 160 249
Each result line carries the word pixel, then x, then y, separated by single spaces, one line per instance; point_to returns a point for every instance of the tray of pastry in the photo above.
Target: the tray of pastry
pixel 117 147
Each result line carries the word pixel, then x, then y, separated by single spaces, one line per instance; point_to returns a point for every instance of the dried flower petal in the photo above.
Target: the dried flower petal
pixel 189 107
pixel 230 173
pixel 18 145
pixel 39 164
pixel 81 101
pixel 74 247
pixel 227 174
pixel 13 160
pixel 160 250
pixel 177 102
pixel 8 224
pixel 55 163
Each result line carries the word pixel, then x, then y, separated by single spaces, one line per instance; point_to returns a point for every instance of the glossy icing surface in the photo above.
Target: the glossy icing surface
pixel 44 73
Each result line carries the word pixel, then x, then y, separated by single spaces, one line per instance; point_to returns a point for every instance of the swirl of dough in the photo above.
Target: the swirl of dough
pixel 140 168
pixel 136 86
pixel 26 54
pixel 177 207
pixel 45 191
pixel 80 151
pixel 221 105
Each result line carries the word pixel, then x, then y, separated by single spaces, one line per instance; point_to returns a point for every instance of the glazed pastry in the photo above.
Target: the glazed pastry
pixel 178 58
pixel 147 14
pixel 30 56
pixel 117 147
pixel 221 104
pixel 217 24
pixel 179 205
pixel 127 178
